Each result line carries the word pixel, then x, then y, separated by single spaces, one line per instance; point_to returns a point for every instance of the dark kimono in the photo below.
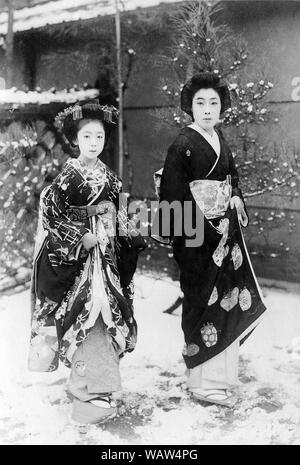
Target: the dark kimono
pixel 71 287
pixel 222 301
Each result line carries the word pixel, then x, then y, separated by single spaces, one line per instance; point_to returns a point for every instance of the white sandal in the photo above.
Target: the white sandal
pixel 215 396
pixel 94 411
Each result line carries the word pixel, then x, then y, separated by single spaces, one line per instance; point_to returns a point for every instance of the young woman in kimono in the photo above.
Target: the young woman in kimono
pixel 82 291
pixel 222 301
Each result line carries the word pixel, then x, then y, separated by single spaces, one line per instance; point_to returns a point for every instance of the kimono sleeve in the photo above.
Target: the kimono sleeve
pixel 174 182
pixel 129 245
pixel 235 184
pixel 232 170
pixel 174 190
pixel 234 178
pixel 63 234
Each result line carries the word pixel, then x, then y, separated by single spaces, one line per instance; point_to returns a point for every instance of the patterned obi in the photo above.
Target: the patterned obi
pixel 212 197
pixel 81 213
pixel 102 219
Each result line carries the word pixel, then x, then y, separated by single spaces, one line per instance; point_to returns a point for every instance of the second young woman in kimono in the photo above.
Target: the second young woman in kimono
pixel 82 291
pixel 222 301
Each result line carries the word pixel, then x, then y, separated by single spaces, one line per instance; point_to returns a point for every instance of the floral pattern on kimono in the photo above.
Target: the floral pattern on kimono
pixel 72 286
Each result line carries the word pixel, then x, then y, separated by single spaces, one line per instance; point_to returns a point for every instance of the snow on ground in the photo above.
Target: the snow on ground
pixel 155 407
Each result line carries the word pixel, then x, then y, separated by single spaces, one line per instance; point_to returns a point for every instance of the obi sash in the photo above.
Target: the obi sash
pixel 212 197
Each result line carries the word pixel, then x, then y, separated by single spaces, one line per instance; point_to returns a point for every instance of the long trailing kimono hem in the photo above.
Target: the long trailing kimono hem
pixel 207 375
pixel 240 339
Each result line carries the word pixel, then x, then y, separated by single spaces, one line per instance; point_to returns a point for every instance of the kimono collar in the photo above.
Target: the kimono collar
pixel 213 140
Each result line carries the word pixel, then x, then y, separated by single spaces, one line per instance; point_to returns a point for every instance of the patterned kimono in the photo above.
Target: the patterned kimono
pixel 72 287
pixel 222 301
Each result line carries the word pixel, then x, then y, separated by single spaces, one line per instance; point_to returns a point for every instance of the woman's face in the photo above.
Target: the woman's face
pixel 206 108
pixel 90 139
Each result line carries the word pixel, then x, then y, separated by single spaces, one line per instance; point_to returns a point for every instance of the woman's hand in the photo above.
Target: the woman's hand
pixel 89 240
pixel 236 202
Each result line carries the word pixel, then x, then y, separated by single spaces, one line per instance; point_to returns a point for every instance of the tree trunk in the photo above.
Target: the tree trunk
pixel 9 43
pixel 120 88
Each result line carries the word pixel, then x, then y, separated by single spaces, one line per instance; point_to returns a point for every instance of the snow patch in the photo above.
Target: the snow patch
pixel 56 12
pixel 155 407
pixel 17 98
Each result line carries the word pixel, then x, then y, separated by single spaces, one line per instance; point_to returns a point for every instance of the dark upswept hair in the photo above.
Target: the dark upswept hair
pixel 69 120
pixel 204 80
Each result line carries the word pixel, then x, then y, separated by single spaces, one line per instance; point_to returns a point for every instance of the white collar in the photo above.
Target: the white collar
pixel 202 131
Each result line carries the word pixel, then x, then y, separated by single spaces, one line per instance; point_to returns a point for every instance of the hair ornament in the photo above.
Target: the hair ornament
pixel 109 112
pixel 77 112
pixel 93 109
pixel 61 116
